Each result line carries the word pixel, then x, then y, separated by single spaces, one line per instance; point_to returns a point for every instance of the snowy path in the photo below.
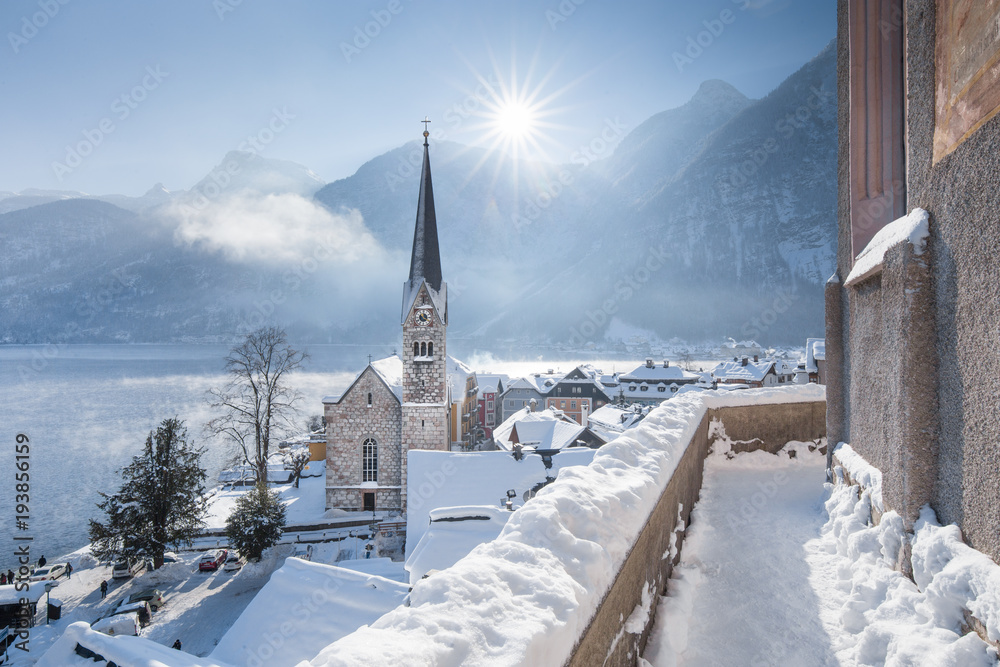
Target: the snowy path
pixel 749 562
pixel 778 569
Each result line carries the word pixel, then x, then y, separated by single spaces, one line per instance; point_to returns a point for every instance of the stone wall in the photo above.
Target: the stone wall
pixel 349 423
pixel 605 642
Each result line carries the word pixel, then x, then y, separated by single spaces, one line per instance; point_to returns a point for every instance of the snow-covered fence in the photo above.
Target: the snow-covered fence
pixel 573 576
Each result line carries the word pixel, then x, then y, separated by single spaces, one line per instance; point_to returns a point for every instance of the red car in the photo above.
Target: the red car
pixel 212 562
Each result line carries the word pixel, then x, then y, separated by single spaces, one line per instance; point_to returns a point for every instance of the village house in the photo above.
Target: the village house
pixel 490 409
pixel 754 372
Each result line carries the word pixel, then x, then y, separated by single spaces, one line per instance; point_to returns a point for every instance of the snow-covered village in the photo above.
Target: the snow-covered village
pixel 684 356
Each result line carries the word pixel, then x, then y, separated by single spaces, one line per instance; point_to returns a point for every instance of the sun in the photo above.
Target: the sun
pixel 515 120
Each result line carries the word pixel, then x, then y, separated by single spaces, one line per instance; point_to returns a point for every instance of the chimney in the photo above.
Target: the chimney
pixel 745 360
pixel 649 362
pixel 534 404
pixel 666 364
pixel 755 359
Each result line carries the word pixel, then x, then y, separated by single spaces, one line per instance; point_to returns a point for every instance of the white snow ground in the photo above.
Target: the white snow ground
pixel 781 569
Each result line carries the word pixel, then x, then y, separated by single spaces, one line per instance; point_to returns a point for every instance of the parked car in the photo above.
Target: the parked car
pixel 304 551
pixel 125 569
pixel 118 624
pixel 152 596
pixel 140 607
pixel 127 618
pixel 210 562
pixel 49 572
pixel 170 557
pixel 234 561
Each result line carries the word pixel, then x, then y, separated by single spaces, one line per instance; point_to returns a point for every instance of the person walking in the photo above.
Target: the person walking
pixel 69 571
pixel 10 576
pixel 3 578
pixel 104 589
pixel 42 561
pixel 177 644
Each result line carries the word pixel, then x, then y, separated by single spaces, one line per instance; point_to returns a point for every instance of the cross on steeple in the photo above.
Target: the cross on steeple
pixel 426 133
pixel 369 360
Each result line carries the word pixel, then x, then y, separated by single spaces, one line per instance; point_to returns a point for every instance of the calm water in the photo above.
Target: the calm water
pixel 88 408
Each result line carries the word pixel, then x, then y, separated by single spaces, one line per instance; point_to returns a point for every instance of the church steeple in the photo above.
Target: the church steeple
pixel 425 261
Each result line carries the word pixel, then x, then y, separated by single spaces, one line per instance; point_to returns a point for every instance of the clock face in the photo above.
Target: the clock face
pixel 423 318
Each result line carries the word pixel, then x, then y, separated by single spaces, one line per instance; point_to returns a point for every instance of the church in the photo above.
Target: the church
pixel 395 404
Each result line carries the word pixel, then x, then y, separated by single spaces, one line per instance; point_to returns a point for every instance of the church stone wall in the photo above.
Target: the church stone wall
pixel 348 424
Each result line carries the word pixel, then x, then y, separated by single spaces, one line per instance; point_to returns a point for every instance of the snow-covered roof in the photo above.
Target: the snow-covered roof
pixel 350 600
pixel 454 532
pixel 458 377
pixel 389 370
pixel 122 650
pixel 490 383
pixel 753 371
pixel 815 351
pixel 542 429
pixel 614 418
pixel 10 595
pixel 672 373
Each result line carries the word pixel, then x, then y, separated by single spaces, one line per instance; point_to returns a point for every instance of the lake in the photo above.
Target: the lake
pixel 87 410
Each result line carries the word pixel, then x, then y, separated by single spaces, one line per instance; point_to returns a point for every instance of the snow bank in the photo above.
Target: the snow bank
pixel 526 597
pixel 886 618
pixel 862 472
pixel 301 609
pixel 131 651
pixel 912 227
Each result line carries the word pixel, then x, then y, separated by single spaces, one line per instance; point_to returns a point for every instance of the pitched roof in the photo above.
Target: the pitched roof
pixel 389 370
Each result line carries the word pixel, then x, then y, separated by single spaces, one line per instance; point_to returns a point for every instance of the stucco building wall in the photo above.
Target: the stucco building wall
pixel 915 373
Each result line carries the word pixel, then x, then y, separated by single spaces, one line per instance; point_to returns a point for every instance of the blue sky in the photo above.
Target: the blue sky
pixel 351 80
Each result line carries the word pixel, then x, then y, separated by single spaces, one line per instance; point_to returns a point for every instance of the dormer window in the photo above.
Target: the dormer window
pixel 661 388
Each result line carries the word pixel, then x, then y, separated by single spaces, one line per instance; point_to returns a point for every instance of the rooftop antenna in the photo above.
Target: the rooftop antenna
pixel 426 133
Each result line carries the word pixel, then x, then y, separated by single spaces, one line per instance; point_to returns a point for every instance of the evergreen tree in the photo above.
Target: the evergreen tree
pixel 161 503
pixel 256 522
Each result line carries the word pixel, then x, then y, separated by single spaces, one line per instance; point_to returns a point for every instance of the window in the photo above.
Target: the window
pixel 572 405
pixel 661 388
pixel 369 399
pixel 369 502
pixel 416 349
pixel 423 349
pixel 430 349
pixel 489 405
pixel 643 388
pixel 369 461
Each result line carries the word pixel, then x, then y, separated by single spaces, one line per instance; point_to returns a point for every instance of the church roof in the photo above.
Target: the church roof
pixel 425 259
pixel 389 370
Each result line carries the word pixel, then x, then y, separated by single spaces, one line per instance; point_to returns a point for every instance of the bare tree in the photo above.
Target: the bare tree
pixel 256 403
pixel 296 460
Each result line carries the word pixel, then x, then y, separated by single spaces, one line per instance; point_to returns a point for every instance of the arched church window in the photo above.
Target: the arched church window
pixel 369 460
pixel 416 349
pixel 430 349
pixel 369 399
pixel 423 349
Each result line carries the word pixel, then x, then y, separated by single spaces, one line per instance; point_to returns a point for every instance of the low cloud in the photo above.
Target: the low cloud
pixel 275 229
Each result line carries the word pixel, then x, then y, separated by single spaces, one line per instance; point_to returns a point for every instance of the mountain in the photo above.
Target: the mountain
pixel 711 219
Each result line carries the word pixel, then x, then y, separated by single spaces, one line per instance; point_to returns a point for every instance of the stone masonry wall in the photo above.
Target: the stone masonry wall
pixel 348 424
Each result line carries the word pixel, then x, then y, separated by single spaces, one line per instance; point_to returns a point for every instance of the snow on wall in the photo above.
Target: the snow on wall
pixel 912 227
pixel 862 472
pixel 527 597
